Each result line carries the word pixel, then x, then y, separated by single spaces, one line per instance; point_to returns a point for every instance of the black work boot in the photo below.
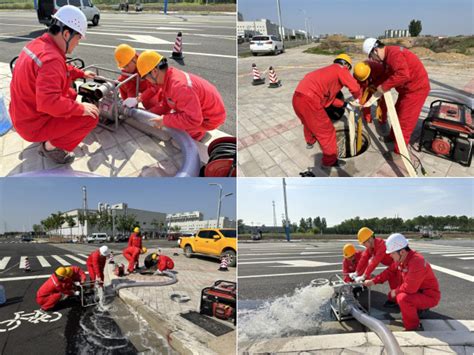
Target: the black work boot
pixel 390 304
pixel 57 155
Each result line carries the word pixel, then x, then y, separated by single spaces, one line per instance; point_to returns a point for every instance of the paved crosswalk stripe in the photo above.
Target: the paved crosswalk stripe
pixel 470 258
pixel 468 254
pixel 22 262
pixel 453 273
pixel 77 259
pixel 84 256
pixel 43 261
pixel 4 262
pixel 60 260
pixel 451 252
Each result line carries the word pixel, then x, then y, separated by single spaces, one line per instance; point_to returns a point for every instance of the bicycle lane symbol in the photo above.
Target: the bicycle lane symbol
pixel 34 317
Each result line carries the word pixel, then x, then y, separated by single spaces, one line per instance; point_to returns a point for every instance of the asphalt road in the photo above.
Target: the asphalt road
pixel 209 44
pixel 270 271
pixel 78 330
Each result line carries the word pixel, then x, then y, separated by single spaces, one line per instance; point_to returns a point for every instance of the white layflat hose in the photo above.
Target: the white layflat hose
pixel 391 345
pixel 192 163
pixel 453 96
pixel 171 275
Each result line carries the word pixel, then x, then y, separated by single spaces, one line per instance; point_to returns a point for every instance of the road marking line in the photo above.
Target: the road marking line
pixel 77 259
pixel 303 263
pixel 138 49
pixel 43 261
pixel 22 262
pixel 84 256
pixel 4 262
pixel 294 273
pixel 319 252
pixel 469 254
pixel 60 260
pixel 292 257
pixel 28 277
pixel 471 258
pixel 452 252
pixel 453 273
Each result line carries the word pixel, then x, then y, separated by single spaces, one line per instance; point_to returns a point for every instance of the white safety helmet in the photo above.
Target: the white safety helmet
pixel 396 242
pixel 73 18
pixel 368 45
pixel 104 250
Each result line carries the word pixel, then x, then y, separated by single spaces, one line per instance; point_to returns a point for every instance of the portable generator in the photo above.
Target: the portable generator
pixel 219 300
pixel 448 132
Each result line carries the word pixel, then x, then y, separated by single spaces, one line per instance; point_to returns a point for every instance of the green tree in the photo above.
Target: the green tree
pixel 303 226
pixel 240 226
pixel 414 28
pixel 37 228
pixel 126 223
pixel 71 222
pixel 323 225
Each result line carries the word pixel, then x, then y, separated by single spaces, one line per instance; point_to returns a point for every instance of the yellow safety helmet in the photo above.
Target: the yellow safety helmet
pixel 124 54
pixel 343 59
pixel 136 230
pixel 147 61
pixel 154 256
pixel 361 71
pixel 348 251
pixel 69 271
pixel 144 250
pixel 364 234
pixel 63 272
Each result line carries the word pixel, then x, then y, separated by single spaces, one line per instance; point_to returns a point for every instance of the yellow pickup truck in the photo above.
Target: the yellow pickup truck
pixel 213 242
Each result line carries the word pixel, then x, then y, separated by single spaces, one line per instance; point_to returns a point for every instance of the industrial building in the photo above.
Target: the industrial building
pixel 396 33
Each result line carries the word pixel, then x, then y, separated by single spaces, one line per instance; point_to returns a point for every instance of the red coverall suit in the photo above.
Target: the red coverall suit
pixel 50 293
pixel 377 76
pixel 43 106
pixel 132 252
pixel 77 275
pixel 129 89
pixel 418 290
pixel 96 265
pixel 408 76
pixel 372 257
pixel 315 92
pixel 165 263
pixel 350 265
pixel 189 103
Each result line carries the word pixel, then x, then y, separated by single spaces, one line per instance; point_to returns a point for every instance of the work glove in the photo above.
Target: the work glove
pixel 77 283
pixel 360 279
pixel 353 275
pixel 377 95
pixel 77 293
pixel 131 102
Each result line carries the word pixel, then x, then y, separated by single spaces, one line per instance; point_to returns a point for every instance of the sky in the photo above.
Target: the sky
pixel 366 17
pixel 338 199
pixel 26 201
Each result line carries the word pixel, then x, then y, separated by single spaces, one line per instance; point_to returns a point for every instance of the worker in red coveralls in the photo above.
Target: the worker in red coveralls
pixel 126 58
pixel 419 287
pixel 373 255
pixel 43 107
pixel 188 102
pixel 133 250
pixel 159 261
pixel 370 75
pixel 318 91
pixel 406 74
pixel 351 260
pixel 96 264
pixel 58 287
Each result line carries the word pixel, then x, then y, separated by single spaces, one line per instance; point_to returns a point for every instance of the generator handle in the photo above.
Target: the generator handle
pixel 450 102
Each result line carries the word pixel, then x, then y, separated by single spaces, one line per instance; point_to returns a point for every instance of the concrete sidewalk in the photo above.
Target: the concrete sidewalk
pixel 163 314
pixel 439 337
pixel 271 141
pixel 126 152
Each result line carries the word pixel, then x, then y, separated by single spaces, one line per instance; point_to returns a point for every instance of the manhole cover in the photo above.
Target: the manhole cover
pixel 343 146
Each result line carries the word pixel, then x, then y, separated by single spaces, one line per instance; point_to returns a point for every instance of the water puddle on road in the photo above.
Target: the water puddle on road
pixel 300 313
pixel 113 328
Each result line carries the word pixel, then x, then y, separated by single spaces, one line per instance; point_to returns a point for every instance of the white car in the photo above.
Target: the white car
pixel 266 44
pixel 97 237
pixel 46 8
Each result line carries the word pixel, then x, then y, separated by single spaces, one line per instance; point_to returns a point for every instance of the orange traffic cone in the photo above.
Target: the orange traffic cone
pixel 274 82
pixel 178 47
pixel 257 80
pixel 27 265
pixel 224 263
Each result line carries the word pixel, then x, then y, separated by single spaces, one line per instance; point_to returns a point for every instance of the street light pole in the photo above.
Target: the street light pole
pixel 287 225
pixel 282 36
pixel 219 201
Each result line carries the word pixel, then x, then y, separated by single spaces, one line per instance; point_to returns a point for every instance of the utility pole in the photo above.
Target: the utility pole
pixel 279 22
pixel 84 207
pixel 274 215
pixel 287 227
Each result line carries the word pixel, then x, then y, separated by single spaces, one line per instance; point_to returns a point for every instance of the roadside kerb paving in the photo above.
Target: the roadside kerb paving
pixel 156 307
pixel 271 141
pixel 439 337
